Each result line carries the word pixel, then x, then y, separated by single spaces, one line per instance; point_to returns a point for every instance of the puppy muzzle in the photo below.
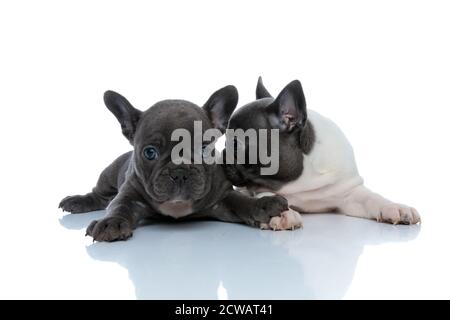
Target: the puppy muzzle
pixel 180 183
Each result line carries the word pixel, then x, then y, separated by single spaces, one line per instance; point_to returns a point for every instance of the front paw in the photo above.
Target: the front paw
pixel 109 229
pixel 287 220
pixel 270 206
pixel 398 214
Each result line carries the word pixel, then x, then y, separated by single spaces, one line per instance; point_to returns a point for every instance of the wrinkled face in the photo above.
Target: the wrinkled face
pixel 287 114
pixel 255 116
pixel 164 180
pixel 176 182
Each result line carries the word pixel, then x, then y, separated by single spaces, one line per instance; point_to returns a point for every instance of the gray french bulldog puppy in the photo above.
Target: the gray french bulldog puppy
pixel 145 184
pixel 317 169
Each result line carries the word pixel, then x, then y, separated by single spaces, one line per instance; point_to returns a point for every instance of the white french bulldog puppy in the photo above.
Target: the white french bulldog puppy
pixel 317 169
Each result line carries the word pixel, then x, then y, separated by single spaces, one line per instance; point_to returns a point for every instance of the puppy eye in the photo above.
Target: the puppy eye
pixel 151 153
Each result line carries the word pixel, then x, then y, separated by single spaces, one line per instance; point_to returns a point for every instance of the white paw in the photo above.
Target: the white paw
pixel 287 220
pixel 398 214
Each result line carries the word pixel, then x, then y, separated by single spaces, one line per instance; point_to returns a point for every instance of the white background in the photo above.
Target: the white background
pixel 379 69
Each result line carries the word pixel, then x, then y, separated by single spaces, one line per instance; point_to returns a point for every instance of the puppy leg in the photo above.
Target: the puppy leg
pixel 363 203
pixel 123 215
pixel 83 203
pixel 103 192
pixel 240 208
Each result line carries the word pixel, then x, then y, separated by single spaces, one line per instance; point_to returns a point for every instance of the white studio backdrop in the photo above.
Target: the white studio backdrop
pixel 379 69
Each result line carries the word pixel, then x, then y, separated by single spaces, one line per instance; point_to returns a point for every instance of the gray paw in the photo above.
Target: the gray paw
pixel 80 204
pixel 109 229
pixel 270 206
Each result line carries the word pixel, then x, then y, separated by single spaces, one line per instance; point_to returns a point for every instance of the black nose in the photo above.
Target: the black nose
pixel 179 175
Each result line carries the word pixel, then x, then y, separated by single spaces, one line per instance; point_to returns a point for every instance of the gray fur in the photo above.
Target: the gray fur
pixel 134 188
pixel 287 113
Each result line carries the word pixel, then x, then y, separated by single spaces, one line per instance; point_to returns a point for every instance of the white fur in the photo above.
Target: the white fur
pixel 330 181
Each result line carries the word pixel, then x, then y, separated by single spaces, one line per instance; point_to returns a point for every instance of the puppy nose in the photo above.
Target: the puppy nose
pixel 178 175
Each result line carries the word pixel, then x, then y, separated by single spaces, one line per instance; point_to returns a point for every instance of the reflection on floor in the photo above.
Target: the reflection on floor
pixel 214 260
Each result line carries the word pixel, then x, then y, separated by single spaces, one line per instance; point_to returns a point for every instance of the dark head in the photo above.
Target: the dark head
pixel 287 113
pixel 170 185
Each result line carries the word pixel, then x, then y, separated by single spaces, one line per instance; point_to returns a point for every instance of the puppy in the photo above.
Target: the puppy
pixel 147 183
pixel 317 170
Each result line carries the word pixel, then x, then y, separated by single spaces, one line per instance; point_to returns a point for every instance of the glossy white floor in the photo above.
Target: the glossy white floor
pixel 332 257
pixel 379 69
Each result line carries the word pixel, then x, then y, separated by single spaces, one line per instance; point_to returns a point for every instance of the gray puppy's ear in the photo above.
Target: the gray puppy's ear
pixel 288 111
pixel 261 91
pixel 127 115
pixel 221 105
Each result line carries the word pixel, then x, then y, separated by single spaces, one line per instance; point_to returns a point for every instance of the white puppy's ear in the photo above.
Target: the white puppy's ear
pixel 127 115
pixel 261 91
pixel 221 105
pixel 288 111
